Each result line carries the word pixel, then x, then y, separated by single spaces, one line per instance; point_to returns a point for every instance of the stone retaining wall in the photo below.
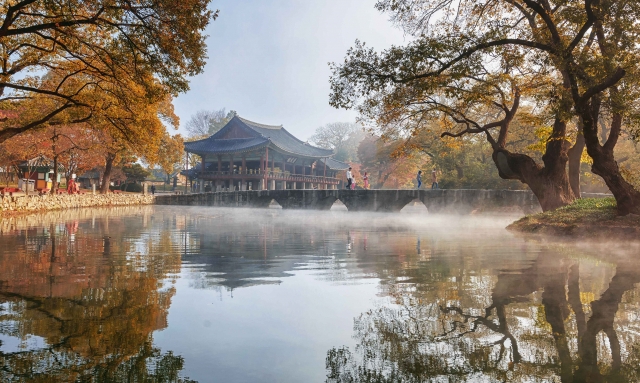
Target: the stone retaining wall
pixel 97 215
pixel 64 201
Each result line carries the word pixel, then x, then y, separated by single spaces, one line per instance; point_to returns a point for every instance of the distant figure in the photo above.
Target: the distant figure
pixel 419 178
pixel 365 180
pixel 353 183
pixel 153 189
pixel 349 178
pixel 71 187
pixel 434 179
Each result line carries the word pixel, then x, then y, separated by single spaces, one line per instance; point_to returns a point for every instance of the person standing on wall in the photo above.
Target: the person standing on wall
pixel 365 180
pixel 434 179
pixel 349 178
pixel 419 178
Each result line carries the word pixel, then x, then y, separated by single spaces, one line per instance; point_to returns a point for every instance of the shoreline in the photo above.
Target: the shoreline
pixel 585 218
pixel 13 206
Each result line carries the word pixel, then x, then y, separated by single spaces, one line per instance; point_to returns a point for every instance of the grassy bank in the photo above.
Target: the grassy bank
pixel 585 218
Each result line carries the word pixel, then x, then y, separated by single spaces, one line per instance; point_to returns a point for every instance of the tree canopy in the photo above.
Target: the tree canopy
pixel 58 54
pixel 483 64
pixel 206 122
pixel 342 137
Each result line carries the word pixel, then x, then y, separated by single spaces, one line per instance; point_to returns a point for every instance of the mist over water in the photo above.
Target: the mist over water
pixel 242 295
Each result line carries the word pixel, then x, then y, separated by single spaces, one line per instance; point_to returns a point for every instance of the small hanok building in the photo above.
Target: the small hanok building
pixel 38 173
pixel 245 155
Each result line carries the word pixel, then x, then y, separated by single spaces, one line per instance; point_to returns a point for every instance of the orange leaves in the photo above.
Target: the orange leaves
pixel 79 55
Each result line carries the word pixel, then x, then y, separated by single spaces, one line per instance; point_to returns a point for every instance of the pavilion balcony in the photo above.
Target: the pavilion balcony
pixel 269 175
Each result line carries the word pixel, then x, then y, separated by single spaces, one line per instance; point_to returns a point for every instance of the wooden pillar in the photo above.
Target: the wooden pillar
pixel 294 183
pixel 273 163
pixel 204 158
pixel 219 163
pixel 244 165
pixel 324 174
pixel 265 167
pixel 230 163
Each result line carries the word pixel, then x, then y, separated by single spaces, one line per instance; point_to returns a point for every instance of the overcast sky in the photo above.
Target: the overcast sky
pixel 268 59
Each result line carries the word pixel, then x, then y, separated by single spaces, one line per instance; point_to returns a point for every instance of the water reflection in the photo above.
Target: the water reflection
pixel 136 294
pixel 536 324
pixel 90 293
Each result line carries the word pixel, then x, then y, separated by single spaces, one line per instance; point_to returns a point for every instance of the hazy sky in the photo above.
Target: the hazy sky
pixel 268 59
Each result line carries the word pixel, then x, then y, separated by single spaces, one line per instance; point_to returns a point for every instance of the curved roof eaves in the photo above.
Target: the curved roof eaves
pixel 231 145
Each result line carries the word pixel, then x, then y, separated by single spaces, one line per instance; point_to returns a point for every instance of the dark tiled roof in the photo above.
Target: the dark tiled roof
pixel 212 145
pixel 39 162
pixel 263 135
pixel 335 164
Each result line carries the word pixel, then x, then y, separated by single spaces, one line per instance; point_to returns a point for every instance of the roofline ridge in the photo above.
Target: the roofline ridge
pixel 265 126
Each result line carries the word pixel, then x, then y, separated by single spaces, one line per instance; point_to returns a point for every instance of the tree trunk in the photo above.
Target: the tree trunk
pixel 604 163
pixel 627 197
pixel 54 182
pixel 575 154
pixel 106 177
pixel 550 184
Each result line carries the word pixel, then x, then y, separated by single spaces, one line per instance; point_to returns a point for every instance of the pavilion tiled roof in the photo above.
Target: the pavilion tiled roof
pixel 231 145
pixel 39 162
pixel 262 135
pixel 334 164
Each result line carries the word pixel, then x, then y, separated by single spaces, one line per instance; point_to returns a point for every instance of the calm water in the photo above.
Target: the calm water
pixel 162 294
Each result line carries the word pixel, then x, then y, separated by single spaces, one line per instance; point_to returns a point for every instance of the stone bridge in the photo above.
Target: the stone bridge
pixel 444 200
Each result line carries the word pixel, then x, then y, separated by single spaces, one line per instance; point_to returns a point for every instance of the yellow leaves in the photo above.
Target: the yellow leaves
pixel 543 134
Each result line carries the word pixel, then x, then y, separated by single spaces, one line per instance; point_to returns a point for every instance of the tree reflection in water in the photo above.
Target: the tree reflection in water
pixel 94 298
pixel 541 324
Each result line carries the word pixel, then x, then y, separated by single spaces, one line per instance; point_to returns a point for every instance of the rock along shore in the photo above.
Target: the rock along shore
pixel 10 205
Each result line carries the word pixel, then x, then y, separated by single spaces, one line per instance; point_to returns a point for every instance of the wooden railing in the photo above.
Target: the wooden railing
pixel 278 176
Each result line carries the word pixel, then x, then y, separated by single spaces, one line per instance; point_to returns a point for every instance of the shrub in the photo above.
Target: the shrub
pixel 134 188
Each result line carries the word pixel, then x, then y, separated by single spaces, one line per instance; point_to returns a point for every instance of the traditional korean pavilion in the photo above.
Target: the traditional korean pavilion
pixel 245 155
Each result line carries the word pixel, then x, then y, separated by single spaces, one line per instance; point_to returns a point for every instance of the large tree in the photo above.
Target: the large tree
pixel 583 48
pixel 342 137
pixel 85 46
pixel 206 122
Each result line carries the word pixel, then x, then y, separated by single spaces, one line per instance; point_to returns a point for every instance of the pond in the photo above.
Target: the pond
pixel 203 294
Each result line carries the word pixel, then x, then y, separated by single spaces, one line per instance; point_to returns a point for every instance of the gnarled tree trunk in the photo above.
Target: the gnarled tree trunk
pixel 549 185
pixel 550 182
pixel 604 162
